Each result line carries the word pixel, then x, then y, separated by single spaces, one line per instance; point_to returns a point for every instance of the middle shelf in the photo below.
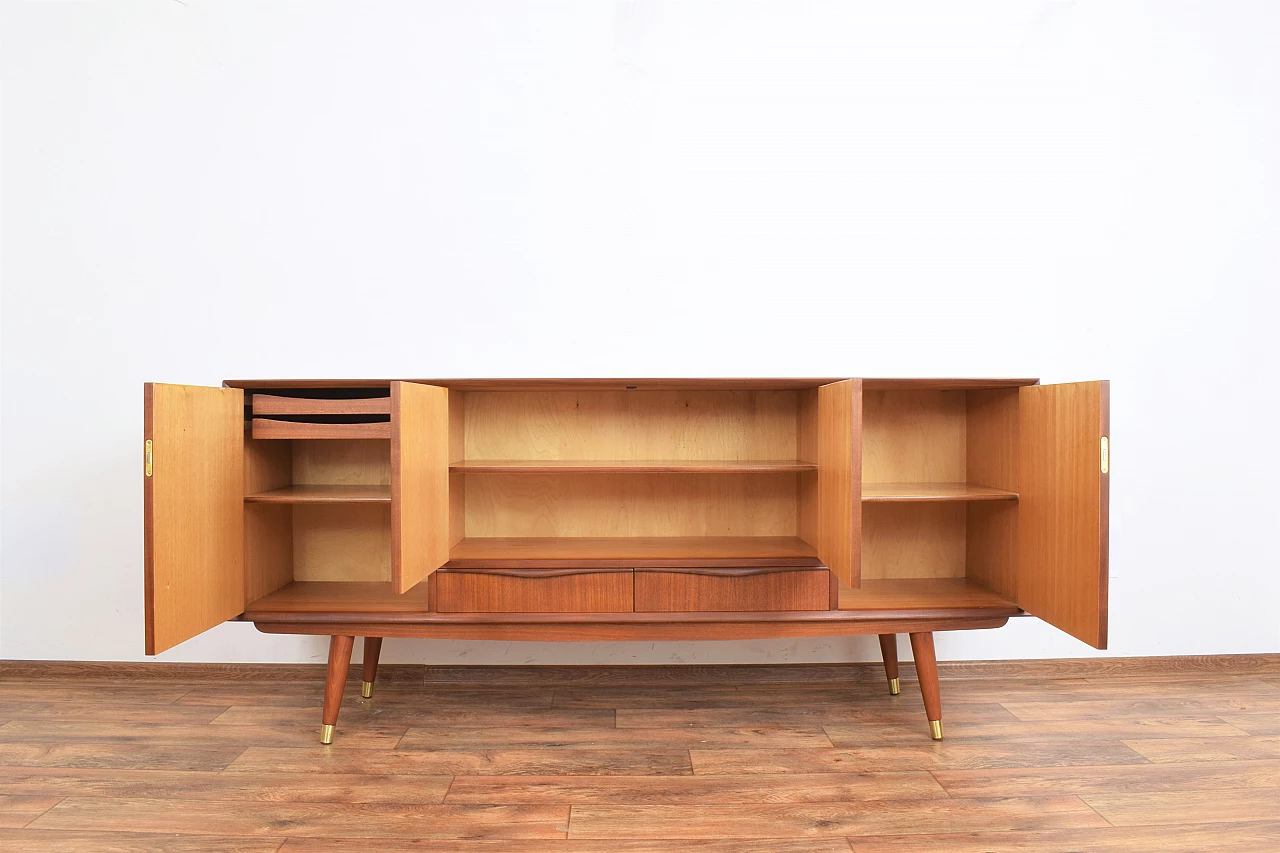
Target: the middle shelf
pixel 631 466
pixel 304 494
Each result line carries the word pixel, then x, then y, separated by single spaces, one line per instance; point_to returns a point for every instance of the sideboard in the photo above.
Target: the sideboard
pixel 636 509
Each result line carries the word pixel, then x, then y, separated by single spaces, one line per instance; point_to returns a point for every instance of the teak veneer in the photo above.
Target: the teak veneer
pixel 625 509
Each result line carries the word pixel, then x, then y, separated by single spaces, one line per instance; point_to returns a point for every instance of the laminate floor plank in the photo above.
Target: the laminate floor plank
pixel 118 692
pixel 1048 781
pixel 119 756
pixel 246 787
pixel 694 790
pixel 18 810
pixel 830 819
pixel 39 731
pixel 1206 748
pixel 1254 724
pixel 527 762
pixel 944 755
pixel 414 696
pixel 325 820
pixel 372 713
pixel 775 737
pixel 90 841
pixel 1256 837
pixel 1042 731
pixel 103 712
pixel 1224 805
pixel 893 713
pixel 612 845
pixel 1199 706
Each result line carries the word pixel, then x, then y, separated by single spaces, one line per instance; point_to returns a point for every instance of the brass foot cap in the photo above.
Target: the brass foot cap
pixel 366 689
pixel 894 687
pixel 935 729
pixel 326 734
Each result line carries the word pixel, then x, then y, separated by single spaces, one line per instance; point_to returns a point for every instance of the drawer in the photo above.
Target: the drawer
pixel 320 417
pixel 533 591
pixel 693 590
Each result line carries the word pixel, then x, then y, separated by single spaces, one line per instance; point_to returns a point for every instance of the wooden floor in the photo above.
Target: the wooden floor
pixel 725 760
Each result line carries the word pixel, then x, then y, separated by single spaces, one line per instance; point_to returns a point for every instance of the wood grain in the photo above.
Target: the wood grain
pixel 193 511
pixel 617 754
pixel 1150 778
pixel 1063 506
pixel 943 384
pixel 628 552
pixel 635 505
pixel 357 462
pixel 913 540
pixel 759 590
pixel 631 466
pixel 536 591
pixel 270 404
pixel 593 424
pixel 839 478
pixel 907 492
pixel 991 459
pixel 457 762
pixel 1255 837
pixel 273 429
pixel 333 820
pixel 322 495
pixel 342 542
pixel 695 790
pixel 419 482
pixel 829 819
pixel 915 436
pixel 80 841
pixel 268 529
pixel 923 594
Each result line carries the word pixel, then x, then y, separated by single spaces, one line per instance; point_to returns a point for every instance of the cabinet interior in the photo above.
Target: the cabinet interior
pixel 658 473
pixel 940 482
pixel 647 477
pixel 316 510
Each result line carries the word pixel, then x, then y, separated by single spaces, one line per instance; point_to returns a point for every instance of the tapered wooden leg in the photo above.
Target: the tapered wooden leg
pixel 927 672
pixel 889 651
pixel 372 648
pixel 335 681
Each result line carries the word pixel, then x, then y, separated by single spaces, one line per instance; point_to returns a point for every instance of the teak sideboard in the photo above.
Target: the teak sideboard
pixel 644 509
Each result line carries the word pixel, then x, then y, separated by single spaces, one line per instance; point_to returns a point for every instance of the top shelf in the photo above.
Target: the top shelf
pixel 630 466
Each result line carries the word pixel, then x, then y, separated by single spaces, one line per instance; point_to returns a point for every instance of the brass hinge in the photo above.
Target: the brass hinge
pixel 148 457
pixel 1106 455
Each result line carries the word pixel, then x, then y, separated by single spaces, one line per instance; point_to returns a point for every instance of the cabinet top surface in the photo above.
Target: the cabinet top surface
pixel 668 384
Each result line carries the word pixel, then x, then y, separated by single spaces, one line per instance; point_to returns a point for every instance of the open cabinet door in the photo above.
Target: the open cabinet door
pixel 1063 505
pixel 840 478
pixel 193 505
pixel 419 482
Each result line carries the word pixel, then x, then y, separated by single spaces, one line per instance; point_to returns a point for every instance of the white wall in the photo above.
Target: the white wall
pixel 1070 190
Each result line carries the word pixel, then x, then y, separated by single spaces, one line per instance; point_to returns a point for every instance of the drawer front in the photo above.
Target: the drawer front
pixel 533 591
pixel 695 590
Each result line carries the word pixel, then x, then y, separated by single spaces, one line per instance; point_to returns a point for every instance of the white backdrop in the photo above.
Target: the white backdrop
pixel 1072 190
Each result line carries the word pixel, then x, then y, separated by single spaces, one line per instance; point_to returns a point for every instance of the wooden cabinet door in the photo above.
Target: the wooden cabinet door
pixel 193 505
pixel 1063 505
pixel 840 478
pixel 419 482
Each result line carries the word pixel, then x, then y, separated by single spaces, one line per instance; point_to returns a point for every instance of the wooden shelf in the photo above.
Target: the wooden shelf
pixel 907 492
pixel 269 428
pixel 323 495
pixel 338 597
pixel 630 466
pixel 923 594
pixel 632 552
